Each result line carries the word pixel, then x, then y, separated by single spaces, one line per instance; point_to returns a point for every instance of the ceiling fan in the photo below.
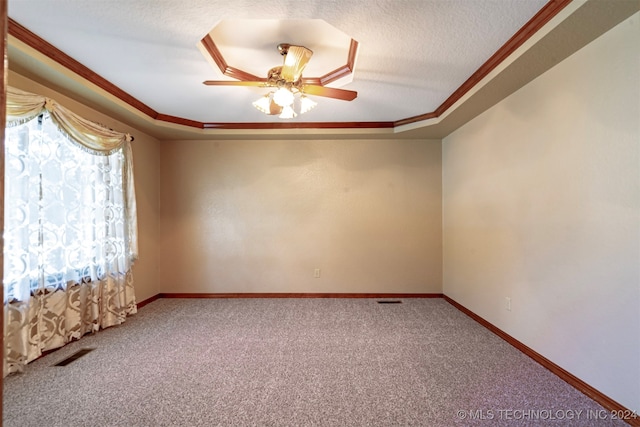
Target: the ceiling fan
pixel 288 82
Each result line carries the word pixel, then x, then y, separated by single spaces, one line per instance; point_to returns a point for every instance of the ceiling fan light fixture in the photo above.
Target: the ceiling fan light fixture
pixel 287 113
pixel 270 104
pixel 263 104
pixel 283 97
pixel 288 84
pixel 289 88
pixel 306 104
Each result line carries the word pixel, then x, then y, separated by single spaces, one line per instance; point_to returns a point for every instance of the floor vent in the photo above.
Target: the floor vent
pixel 390 302
pixel 75 356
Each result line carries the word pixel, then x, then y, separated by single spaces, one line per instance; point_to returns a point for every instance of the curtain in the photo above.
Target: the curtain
pixel 70 228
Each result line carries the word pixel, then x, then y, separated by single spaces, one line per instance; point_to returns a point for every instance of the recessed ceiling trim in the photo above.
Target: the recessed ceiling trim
pixel 209 47
pixel 346 69
pixel 551 9
pixel 212 50
pixel 543 16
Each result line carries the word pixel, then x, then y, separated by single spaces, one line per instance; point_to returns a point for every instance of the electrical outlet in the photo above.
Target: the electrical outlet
pixel 507 303
pixel 316 273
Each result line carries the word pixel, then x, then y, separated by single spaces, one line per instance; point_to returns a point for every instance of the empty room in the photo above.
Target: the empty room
pixel 340 213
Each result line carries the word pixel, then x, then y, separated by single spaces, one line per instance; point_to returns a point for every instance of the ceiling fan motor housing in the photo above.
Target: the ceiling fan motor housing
pixel 283 48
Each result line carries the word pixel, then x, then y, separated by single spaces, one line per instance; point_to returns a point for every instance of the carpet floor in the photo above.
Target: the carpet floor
pixel 295 362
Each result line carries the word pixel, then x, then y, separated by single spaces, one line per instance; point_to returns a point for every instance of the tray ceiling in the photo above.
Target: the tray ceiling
pixel 412 56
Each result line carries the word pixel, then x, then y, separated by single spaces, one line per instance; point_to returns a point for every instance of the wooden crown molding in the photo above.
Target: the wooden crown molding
pixel 212 50
pixel 543 16
pixel 302 125
pixel 215 54
pixel 551 9
pixel 346 69
pixel 47 49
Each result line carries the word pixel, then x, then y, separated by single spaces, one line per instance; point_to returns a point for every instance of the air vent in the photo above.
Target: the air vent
pixel 390 302
pixel 75 356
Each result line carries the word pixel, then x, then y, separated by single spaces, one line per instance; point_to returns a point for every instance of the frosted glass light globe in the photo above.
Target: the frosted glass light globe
pixel 283 97
pixel 287 113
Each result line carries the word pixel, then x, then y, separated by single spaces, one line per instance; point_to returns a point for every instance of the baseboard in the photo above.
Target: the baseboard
pixel 285 295
pixel 298 295
pixel 568 377
pixel 148 301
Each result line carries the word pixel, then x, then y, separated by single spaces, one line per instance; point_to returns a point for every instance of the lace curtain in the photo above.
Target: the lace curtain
pixel 70 228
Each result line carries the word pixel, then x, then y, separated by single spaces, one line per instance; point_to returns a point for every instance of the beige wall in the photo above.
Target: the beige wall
pixel 541 204
pixel 261 216
pixel 146 158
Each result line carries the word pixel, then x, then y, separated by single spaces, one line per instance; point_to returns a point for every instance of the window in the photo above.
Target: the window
pixel 70 228
pixel 64 211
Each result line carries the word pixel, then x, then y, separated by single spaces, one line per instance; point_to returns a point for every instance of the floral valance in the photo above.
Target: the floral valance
pixel 24 106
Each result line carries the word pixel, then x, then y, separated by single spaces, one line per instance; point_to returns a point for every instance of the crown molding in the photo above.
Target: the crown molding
pixel 543 16
pixel 522 58
pixel 47 49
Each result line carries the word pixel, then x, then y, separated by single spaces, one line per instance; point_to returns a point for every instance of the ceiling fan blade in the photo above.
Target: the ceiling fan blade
pixel 235 83
pixel 295 60
pixel 329 92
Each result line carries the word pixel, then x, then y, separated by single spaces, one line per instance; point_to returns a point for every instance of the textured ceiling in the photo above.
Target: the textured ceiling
pixel 413 54
pixel 423 68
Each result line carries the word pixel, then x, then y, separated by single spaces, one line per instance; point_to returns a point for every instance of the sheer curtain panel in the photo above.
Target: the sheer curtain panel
pixel 70 232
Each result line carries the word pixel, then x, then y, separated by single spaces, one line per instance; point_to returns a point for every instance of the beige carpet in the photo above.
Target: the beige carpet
pixel 295 362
